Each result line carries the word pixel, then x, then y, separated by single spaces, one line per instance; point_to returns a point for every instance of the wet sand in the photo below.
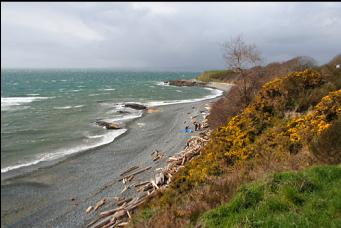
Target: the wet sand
pixel 57 196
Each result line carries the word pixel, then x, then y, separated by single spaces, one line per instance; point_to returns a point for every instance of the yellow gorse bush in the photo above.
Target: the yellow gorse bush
pixel 252 131
pixel 318 120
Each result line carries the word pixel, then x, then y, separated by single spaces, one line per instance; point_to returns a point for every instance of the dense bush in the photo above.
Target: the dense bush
pixel 287 117
pixel 237 140
pixel 217 76
pixel 232 103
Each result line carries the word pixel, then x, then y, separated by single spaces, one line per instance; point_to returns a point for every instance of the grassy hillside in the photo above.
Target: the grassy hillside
pixel 286 127
pixel 310 198
pixel 217 76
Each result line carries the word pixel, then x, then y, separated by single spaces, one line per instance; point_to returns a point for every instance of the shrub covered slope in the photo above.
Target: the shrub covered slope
pixel 292 123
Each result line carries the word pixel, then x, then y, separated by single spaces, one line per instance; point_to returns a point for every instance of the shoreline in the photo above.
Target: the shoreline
pixel 51 159
pixel 145 190
pixel 82 174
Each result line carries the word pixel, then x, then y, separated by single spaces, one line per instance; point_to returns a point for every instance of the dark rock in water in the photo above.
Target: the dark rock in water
pixel 185 83
pixel 123 112
pixel 108 125
pixel 101 123
pixel 112 126
pixel 135 106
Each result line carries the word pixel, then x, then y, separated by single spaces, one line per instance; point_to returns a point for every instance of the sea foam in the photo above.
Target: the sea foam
pixel 214 93
pixel 104 139
pixel 7 103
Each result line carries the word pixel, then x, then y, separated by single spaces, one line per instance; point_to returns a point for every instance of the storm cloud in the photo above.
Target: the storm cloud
pixel 162 36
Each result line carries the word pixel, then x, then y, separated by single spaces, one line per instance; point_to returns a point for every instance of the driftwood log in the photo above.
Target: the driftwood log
pixel 121 215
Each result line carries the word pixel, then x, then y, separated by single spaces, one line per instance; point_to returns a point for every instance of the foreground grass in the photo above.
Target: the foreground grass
pixel 310 198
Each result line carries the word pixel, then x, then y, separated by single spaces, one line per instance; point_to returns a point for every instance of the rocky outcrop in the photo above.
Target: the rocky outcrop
pixel 185 83
pixel 135 106
pixel 107 125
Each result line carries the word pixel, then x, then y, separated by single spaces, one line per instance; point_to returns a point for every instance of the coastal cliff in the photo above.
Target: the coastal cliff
pixel 293 123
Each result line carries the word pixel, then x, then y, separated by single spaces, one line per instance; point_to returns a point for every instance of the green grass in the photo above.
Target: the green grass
pixel 217 76
pixel 310 198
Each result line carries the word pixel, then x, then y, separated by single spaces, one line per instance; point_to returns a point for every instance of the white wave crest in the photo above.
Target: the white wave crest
pixel 109 89
pixel 68 107
pixel 63 107
pixel 215 93
pixel 8 102
pixel 105 139
pixel 162 83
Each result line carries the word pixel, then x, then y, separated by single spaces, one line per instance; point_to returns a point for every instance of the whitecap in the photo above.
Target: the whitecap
pixel 7 103
pixel 214 93
pixel 95 136
pixel 105 139
pixel 126 117
pixel 63 107
pixel 162 83
pixel 110 89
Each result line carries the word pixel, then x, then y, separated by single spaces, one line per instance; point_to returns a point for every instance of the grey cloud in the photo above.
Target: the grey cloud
pixel 179 36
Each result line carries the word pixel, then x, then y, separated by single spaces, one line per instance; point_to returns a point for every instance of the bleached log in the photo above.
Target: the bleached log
pixel 154 184
pixel 99 204
pixel 100 222
pixel 119 214
pixel 119 203
pixel 132 207
pixel 89 209
pixel 130 178
pixel 136 172
pixel 124 189
pixel 112 223
pixel 110 212
pixel 129 170
pixel 170 159
pixel 128 214
pixel 183 160
pixel 140 184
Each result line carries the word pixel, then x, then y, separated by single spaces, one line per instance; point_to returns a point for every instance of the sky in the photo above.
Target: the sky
pixel 161 35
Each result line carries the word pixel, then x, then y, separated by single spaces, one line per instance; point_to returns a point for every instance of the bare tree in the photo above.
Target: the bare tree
pixel 239 57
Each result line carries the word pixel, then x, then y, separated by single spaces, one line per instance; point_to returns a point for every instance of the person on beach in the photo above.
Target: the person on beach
pixel 187 144
pixel 198 126
pixel 195 126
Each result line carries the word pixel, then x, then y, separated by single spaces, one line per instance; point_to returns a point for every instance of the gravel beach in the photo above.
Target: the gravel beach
pixel 57 196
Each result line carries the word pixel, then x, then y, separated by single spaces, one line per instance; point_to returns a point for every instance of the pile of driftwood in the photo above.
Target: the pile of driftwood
pixel 121 215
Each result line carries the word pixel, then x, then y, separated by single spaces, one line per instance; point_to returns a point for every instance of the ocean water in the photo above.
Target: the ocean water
pixel 48 114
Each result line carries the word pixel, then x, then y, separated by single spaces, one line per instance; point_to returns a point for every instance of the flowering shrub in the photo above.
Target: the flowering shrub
pixel 262 126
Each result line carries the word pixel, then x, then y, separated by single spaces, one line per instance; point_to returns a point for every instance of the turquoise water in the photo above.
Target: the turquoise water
pixel 47 114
